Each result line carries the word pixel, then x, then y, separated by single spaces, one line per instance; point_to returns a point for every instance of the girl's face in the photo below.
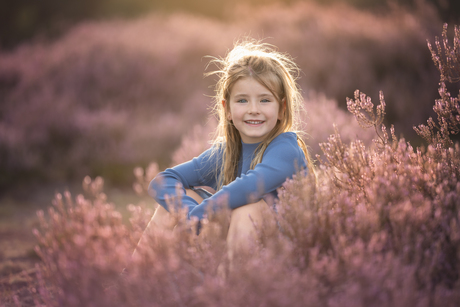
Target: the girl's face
pixel 253 109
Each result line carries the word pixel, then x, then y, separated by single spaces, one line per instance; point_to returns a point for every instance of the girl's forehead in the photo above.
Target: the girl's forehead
pixel 249 84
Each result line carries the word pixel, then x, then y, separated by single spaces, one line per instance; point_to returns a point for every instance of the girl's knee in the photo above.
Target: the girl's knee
pixel 162 219
pixel 249 212
pixel 242 232
pixel 245 219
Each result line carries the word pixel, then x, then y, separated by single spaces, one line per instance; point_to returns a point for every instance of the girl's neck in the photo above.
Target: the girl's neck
pixel 250 144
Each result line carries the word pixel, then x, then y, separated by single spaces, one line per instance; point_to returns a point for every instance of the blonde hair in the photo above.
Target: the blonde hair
pixel 275 71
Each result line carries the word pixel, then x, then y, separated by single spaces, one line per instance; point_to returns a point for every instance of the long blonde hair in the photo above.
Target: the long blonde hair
pixel 275 71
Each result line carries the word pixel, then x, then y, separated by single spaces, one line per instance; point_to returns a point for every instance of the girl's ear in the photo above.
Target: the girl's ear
pixel 282 109
pixel 227 114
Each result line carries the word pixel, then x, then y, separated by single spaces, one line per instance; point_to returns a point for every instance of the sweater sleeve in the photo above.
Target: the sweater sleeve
pixel 200 171
pixel 281 160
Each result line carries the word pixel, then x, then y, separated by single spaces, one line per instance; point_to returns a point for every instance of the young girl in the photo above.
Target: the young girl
pixel 255 150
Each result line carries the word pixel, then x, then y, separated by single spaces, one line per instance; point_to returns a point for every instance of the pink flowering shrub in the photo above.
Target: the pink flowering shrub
pixel 322 117
pixel 379 226
pixel 79 239
pixel 110 95
pixel 194 142
pixel 67 105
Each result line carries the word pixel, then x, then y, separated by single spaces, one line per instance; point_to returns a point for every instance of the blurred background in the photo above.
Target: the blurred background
pixel 99 87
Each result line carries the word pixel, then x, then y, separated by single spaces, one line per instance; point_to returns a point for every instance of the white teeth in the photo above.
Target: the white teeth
pixel 254 122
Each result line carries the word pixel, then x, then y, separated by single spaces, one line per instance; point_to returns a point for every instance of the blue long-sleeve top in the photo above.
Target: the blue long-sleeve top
pixel 282 158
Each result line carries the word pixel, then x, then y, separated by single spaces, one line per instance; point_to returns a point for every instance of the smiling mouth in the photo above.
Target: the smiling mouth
pixel 254 122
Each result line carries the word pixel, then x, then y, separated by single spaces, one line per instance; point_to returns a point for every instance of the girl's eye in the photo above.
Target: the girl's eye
pixel 242 100
pixel 265 100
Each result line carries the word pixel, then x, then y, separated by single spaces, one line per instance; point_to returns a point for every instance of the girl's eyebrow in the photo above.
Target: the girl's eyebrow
pixel 260 95
pixel 266 94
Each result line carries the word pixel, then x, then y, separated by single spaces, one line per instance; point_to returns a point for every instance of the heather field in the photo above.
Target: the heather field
pixel 108 96
pixel 89 119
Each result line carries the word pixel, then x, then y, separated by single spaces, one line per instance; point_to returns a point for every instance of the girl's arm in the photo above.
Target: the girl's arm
pixel 199 171
pixel 282 159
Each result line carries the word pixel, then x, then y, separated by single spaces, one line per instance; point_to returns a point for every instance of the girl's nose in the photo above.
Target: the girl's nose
pixel 253 108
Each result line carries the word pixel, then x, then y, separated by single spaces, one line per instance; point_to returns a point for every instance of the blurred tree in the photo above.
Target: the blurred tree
pixel 449 10
pixel 21 20
pixel 25 19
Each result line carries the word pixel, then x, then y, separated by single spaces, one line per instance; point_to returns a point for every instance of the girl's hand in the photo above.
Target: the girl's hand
pixel 198 211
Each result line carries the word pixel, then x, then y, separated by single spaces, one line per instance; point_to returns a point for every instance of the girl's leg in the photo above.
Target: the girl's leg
pixel 242 232
pixel 162 221
pixel 194 195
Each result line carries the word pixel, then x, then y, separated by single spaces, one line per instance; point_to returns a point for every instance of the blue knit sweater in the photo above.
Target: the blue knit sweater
pixel 282 158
